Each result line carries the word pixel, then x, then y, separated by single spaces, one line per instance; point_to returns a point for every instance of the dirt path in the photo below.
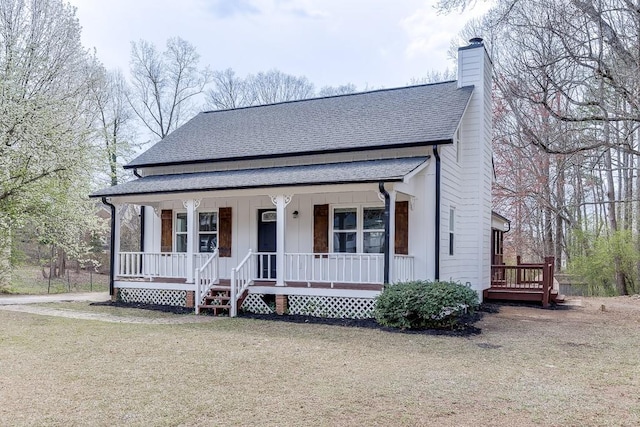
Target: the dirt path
pixel 65 297
pixel 104 317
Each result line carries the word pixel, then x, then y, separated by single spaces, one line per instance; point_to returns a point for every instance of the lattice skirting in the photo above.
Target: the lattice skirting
pixel 335 307
pixel 255 304
pixel 153 296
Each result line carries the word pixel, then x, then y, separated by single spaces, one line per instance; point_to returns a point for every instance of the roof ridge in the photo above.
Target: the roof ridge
pixel 342 95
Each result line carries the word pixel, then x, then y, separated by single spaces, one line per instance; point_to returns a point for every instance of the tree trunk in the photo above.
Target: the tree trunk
pixel 621 286
pixel 5 253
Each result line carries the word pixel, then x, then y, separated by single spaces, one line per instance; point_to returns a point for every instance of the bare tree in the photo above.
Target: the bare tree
pixel 164 85
pixel 114 117
pixel 275 86
pixel 229 91
pixel 338 90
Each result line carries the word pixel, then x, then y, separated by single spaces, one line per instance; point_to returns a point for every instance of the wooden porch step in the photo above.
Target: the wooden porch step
pixel 220 288
pixel 213 306
pixel 220 298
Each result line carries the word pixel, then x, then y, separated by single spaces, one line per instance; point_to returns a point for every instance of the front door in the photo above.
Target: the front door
pixel 267 243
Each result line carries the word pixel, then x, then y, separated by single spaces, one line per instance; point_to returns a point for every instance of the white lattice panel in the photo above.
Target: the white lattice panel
pixel 153 296
pixel 255 304
pixel 336 307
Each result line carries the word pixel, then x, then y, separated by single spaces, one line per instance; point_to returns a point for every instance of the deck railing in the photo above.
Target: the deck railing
pixel 157 264
pixel 525 276
pixel 206 277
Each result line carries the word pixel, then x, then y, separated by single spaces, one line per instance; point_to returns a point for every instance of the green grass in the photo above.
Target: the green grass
pixel 29 280
pixel 529 367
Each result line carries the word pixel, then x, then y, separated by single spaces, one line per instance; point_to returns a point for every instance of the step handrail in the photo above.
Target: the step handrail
pixel 241 278
pixel 206 277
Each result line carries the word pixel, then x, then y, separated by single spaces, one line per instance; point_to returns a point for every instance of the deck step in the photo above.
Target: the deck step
pixel 513 294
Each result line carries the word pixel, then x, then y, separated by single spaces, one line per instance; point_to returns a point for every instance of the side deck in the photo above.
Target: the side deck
pixel 524 282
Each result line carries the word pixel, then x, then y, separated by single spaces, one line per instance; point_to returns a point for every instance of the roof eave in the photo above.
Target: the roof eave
pixel 295 154
pixel 249 187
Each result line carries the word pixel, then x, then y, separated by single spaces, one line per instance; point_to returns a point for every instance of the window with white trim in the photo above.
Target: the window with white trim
pixel 452 220
pixel 181 231
pixel 207 231
pixel 358 229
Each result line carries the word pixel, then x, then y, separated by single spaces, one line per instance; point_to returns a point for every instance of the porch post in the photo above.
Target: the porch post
pixel 120 209
pixel 280 201
pixel 191 206
pixel 392 235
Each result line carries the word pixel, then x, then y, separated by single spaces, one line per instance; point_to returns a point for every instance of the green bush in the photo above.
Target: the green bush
pixel 424 304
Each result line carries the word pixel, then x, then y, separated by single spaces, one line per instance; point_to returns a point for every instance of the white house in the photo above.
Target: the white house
pixel 315 204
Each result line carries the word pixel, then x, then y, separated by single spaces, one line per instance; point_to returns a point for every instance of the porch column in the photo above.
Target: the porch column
pixel 192 235
pixel 280 201
pixel 120 210
pixel 392 235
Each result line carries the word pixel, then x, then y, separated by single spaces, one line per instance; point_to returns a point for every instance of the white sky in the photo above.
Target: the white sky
pixel 371 43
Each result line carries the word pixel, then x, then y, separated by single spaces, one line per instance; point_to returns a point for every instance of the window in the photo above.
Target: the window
pixel 207 231
pixel 358 229
pixel 345 230
pixel 181 232
pixel 373 230
pixel 452 214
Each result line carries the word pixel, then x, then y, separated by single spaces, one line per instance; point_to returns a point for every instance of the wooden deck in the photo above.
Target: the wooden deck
pixel 523 282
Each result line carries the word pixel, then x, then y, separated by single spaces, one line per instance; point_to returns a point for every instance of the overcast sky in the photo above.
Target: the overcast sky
pixel 371 43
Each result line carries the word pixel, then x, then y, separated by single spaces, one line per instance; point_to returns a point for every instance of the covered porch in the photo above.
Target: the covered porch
pixel 331 244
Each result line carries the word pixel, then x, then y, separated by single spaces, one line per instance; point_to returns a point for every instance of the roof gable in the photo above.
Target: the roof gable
pixel 368 120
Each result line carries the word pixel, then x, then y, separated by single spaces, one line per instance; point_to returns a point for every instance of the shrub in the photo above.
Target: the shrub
pixel 424 304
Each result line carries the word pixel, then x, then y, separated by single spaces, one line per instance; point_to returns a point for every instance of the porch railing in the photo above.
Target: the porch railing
pixel 206 277
pixel 334 267
pixel 157 264
pixel 402 268
pixel 241 277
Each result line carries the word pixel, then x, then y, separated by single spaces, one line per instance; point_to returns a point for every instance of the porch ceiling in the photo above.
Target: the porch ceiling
pixel 387 170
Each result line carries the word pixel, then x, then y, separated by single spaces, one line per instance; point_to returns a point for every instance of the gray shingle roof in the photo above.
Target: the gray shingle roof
pixel 322 174
pixel 368 120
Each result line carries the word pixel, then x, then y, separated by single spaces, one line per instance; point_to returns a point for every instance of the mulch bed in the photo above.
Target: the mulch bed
pixel 464 328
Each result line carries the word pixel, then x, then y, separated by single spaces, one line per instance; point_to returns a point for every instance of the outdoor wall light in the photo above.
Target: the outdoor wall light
pixel 295 214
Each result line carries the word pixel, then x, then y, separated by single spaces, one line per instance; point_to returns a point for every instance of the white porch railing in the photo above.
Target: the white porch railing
pixel 265 265
pixel 402 268
pixel 206 277
pixel 157 264
pixel 241 278
pixel 334 267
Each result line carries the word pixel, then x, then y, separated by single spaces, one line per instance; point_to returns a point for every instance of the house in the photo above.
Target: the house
pixel 311 206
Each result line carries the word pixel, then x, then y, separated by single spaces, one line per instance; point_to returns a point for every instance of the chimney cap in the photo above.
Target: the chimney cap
pixel 476 41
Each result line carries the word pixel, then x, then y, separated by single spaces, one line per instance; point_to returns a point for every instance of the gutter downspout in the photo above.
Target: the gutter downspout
pixel 387 209
pixel 142 217
pixel 112 253
pixel 437 219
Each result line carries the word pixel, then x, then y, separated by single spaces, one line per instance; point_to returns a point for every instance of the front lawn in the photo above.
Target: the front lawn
pixel 528 367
